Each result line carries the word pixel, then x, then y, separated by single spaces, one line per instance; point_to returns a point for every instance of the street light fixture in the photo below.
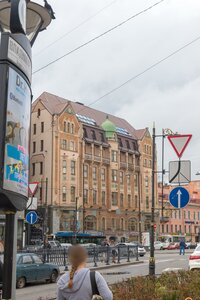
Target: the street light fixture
pixel 38 19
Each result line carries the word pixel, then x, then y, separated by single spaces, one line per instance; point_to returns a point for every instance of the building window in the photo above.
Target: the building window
pixel 136 201
pixel 41 168
pixel 103 224
pixel 42 126
pixel 72 146
pixel 172 229
pixel 38 112
pixel 180 229
pixel 90 223
pixel 188 215
pixel 34 128
pixel 103 174
pixel 121 200
pixel 94 173
pixel 122 224
pixel 150 163
pixel 114 156
pixel 176 229
pixel 145 162
pixel 132 224
pixel 146 181
pixel 85 171
pixel 114 175
pixel 185 228
pixel 103 198
pixel 120 142
pixel 93 134
pixel 129 179
pixel 198 216
pixel 102 137
pixel 72 128
pixel 129 201
pixel 114 199
pixel 121 176
pixel 194 216
pixel 184 214
pixel 163 228
pixel 94 197
pixel 135 180
pixel 33 169
pixel 85 196
pixel 73 194
pixel 65 127
pixel 113 223
pixel 68 127
pixel 41 145
pixel 40 193
pixel 179 214
pixel 64 166
pixel 189 229
pixel 167 228
pixel 34 147
pixel 73 167
pixel 84 133
pixel 127 144
pixel 64 144
pixel 64 195
pixel 147 201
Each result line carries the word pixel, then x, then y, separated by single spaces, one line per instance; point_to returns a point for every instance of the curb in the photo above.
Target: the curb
pixel 112 266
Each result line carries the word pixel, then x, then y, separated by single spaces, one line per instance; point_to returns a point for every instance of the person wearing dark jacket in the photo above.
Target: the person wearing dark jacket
pixel 182 247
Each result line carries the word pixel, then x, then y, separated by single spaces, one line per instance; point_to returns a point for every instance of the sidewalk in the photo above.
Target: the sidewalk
pixel 103 266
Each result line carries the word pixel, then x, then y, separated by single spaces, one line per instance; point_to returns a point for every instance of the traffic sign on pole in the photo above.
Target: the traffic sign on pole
pixel 33 187
pixel 180 171
pixel 179 197
pixel 179 142
pixel 31 217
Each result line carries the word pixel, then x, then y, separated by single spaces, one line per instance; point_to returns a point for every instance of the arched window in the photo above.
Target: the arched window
pixel 132 224
pixel 91 223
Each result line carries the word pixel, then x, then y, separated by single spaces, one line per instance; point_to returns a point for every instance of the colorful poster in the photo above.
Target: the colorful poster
pixel 16 159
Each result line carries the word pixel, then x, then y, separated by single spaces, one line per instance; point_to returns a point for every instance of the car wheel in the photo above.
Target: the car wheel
pixel 21 282
pixel 54 276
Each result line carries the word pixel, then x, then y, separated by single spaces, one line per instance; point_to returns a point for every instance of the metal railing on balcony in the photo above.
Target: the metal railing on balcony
pixel 97 158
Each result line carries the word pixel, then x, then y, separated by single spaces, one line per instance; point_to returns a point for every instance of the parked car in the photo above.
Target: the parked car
pixel 191 245
pixel 194 259
pixel 141 249
pixel 159 245
pixel 54 244
pixel 30 268
pixel 173 246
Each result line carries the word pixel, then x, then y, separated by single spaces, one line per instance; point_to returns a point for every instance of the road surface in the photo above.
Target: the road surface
pixel 163 260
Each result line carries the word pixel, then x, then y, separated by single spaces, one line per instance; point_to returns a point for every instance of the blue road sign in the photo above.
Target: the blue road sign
pixel 31 217
pixel 179 197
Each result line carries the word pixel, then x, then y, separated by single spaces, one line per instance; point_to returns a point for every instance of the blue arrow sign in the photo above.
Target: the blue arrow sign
pixel 179 197
pixel 31 217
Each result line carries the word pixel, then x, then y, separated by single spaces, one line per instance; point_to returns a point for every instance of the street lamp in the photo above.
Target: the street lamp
pixel 38 18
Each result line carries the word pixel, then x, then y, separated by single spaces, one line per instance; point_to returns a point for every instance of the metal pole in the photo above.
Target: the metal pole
pixel 163 172
pixel 152 258
pixel 10 252
pixel 139 207
pixel 76 220
pixel 46 212
pixel 83 201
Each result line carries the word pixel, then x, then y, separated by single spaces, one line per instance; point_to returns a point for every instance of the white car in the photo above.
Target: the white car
pixel 194 259
pixel 158 245
pixel 141 249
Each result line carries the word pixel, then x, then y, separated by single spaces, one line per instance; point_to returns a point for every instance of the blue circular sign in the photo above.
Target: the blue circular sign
pixel 179 197
pixel 31 217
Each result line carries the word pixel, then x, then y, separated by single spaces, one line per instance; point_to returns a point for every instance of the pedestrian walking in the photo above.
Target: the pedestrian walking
pixel 182 247
pixel 113 251
pixel 80 282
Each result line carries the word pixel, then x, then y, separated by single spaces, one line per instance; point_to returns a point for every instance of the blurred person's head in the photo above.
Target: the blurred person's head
pixel 77 259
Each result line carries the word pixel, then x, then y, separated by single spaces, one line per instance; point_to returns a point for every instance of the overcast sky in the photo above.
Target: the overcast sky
pixel 169 94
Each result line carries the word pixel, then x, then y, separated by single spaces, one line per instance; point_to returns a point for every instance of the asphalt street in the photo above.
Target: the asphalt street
pixel 163 260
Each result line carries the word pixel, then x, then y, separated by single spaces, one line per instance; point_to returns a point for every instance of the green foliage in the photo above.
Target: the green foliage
pixel 169 286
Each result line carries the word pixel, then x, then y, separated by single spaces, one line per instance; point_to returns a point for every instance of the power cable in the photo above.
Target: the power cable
pixel 76 27
pixel 143 72
pixel 97 37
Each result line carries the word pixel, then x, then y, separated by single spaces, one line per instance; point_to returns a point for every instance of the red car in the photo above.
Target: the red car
pixel 173 246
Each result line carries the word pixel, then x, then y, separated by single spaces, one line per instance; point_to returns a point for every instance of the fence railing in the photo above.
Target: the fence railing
pixel 103 255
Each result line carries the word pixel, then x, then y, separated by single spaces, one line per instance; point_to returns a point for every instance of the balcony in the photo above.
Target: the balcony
pixel 137 168
pixel 123 165
pixel 97 158
pixel 88 156
pixel 164 219
pixel 106 161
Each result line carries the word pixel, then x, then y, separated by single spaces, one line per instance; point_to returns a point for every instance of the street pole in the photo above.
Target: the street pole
pixel 139 207
pixel 83 200
pixel 163 172
pixel 152 258
pixel 45 217
pixel 76 220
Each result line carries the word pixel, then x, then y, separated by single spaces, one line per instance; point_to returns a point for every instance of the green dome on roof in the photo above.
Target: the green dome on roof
pixel 109 128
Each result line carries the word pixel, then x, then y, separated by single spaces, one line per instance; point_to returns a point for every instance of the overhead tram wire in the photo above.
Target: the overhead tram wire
pixel 76 27
pixel 143 72
pixel 97 37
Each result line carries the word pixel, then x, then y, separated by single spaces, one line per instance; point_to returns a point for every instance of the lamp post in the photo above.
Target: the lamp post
pixel 20 23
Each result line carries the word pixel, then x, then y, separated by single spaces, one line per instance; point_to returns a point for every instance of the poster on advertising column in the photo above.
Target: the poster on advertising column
pixel 16 158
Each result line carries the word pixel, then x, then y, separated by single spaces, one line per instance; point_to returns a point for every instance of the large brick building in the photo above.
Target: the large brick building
pixel 99 162
pixel 185 221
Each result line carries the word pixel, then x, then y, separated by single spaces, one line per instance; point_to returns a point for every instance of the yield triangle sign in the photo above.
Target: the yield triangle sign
pixel 33 187
pixel 179 142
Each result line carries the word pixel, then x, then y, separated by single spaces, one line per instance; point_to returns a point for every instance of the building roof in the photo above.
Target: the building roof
pixel 55 105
